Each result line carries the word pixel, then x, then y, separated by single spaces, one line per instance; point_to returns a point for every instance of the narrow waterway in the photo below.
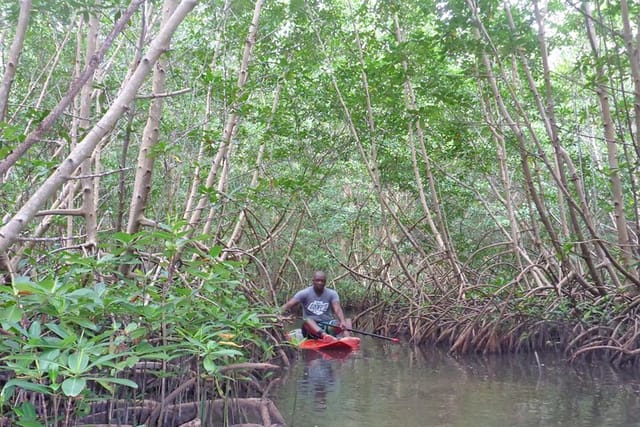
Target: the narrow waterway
pixel 385 384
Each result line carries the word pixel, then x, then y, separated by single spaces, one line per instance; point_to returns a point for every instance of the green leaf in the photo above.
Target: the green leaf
pixel 78 362
pixel 25 385
pixel 58 330
pixel 35 330
pixel 123 237
pixel 87 324
pixel 11 314
pixel 49 360
pixel 131 327
pixel 23 283
pixel 129 362
pixel 29 423
pixel 121 381
pixel 28 416
pixel 226 352
pixel 73 386
pixel 102 360
pixel 105 384
pixel 215 251
pixel 53 377
pixel 83 293
pixel 208 364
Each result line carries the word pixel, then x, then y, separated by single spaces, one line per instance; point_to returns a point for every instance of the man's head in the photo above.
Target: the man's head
pixel 319 281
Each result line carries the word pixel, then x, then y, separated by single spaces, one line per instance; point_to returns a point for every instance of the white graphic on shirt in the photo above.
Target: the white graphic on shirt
pixel 318 307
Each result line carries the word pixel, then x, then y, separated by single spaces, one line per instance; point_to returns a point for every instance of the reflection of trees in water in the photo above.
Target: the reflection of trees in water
pixel 388 384
pixel 544 384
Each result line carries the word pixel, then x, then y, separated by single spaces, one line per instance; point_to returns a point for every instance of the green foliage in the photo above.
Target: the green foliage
pixel 342 77
pixel 76 332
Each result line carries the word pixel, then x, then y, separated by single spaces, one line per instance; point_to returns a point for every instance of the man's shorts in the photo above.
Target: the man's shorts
pixel 326 326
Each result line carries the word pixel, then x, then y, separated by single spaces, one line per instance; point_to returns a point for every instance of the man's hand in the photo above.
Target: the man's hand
pixel 344 328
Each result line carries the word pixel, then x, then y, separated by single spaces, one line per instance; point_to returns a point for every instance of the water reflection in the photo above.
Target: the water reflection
pixel 317 380
pixel 390 385
pixel 318 377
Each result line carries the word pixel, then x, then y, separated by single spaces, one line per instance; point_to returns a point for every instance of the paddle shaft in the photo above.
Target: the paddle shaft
pixel 370 334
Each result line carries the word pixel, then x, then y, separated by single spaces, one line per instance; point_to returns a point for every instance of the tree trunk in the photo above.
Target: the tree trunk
pixel 144 170
pixel 192 198
pixel 370 160
pixel 241 220
pixel 87 182
pixel 612 147
pixel 13 59
pixel 126 141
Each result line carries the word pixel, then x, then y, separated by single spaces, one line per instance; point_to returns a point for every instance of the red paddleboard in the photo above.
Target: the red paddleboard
pixel 341 344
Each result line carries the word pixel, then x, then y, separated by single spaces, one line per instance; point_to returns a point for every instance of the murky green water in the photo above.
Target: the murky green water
pixel 385 384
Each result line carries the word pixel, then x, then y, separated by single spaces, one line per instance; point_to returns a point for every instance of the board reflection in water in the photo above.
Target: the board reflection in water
pixel 318 378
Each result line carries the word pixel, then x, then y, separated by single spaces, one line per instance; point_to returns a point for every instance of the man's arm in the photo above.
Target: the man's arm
pixel 337 309
pixel 289 305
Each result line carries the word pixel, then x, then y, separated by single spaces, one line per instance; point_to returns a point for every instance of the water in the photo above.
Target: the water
pixel 386 384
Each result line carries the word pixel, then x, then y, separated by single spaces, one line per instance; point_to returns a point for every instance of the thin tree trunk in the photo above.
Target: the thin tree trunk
pixel 287 255
pixel 612 148
pixel 126 140
pixel 6 270
pixel 49 70
pixel 632 49
pixel 563 164
pixel 240 221
pixel 87 182
pixel 60 206
pixel 505 196
pixel 519 133
pixel 370 160
pixel 14 57
pixel 634 62
pixel 547 114
pixel 150 135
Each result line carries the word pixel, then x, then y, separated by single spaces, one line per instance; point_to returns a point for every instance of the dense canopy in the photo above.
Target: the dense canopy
pixel 465 171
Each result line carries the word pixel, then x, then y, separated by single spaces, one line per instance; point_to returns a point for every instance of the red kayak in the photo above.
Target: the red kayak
pixel 341 344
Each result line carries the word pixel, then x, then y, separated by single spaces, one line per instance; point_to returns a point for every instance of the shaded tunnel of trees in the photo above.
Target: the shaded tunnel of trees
pixel 466 172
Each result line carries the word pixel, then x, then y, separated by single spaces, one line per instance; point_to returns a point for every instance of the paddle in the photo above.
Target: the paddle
pixel 370 334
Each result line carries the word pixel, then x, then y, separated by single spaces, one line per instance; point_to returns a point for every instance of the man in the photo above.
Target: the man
pixel 319 305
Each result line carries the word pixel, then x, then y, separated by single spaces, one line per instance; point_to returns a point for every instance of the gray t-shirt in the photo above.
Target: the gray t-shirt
pixel 317 307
